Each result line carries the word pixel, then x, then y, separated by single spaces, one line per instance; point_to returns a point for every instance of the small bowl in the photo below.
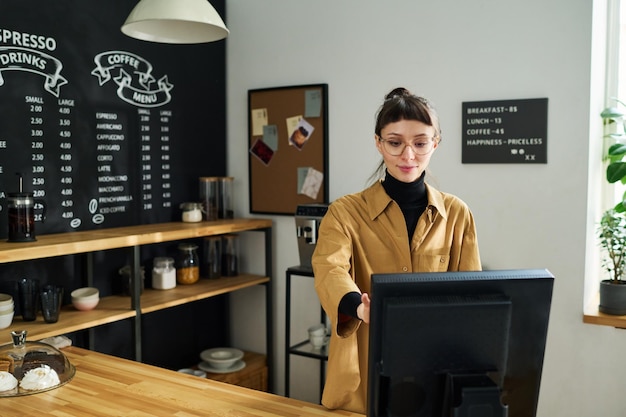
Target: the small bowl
pixel 83 305
pixel 86 298
pixel 6 299
pixel 86 293
pixel 6 308
pixel 4 312
pixel 221 358
pixel 6 320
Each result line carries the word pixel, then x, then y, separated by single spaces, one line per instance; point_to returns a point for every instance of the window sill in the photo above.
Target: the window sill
pixel 593 316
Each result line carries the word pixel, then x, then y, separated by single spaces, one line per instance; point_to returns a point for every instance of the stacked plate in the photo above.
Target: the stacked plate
pixel 7 309
pixel 221 360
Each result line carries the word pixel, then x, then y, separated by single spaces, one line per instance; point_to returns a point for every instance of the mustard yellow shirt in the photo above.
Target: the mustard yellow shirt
pixel 365 233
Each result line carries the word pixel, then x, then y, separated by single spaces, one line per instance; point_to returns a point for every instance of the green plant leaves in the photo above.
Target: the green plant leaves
pixel 616 171
pixel 612 113
pixel 612 234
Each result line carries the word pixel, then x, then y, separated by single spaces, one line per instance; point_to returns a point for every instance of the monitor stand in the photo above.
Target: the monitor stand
pixel 473 395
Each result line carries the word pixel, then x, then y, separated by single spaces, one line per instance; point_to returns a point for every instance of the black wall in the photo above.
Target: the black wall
pixel 108 131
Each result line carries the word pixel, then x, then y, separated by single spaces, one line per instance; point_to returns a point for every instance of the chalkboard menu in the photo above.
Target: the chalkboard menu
pixel 505 131
pixel 103 129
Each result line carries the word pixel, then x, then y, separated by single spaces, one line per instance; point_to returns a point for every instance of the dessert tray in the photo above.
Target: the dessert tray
pixel 36 359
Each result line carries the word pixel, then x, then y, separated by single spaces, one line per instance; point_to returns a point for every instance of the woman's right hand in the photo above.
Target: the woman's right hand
pixel 363 310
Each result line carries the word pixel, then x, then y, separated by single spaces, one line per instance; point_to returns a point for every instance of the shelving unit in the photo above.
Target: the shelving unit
pixel 303 348
pixel 114 308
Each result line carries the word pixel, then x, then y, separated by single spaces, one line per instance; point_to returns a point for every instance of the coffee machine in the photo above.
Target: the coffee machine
pixel 308 218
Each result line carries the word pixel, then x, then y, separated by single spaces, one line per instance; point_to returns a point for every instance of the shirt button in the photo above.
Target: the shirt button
pixel 404 268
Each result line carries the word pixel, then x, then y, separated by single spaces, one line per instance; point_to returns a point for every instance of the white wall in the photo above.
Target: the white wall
pixel 450 51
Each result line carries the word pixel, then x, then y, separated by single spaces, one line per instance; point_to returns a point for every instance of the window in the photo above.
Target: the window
pixel 608 63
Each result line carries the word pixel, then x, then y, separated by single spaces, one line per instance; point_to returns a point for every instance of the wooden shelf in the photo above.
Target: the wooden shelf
pixel 109 310
pixel 595 317
pixel 116 307
pixel 154 300
pixel 592 315
pixel 122 237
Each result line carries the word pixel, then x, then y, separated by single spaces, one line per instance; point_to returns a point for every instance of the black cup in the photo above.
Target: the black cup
pixel 29 298
pixel 51 300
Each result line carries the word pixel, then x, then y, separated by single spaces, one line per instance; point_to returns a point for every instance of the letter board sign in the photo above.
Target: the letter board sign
pixel 505 131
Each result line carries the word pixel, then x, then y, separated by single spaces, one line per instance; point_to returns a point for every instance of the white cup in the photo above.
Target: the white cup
pixel 317 330
pixel 317 335
pixel 317 341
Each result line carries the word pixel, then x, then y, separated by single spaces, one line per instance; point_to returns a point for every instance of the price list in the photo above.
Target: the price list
pixel 505 131
pixel 89 124
pixel 66 161
pixel 155 184
pixel 39 125
pixel 113 166
pixel 38 156
pixel 82 180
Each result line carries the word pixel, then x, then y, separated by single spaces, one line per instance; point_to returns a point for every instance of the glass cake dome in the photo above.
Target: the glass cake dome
pixel 44 360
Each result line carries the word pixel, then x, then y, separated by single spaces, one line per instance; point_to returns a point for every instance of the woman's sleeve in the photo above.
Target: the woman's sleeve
pixel 332 268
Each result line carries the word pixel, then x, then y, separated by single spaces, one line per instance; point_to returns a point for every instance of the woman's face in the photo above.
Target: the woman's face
pixel 404 136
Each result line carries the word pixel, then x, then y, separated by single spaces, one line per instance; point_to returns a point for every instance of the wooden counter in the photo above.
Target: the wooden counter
pixel 109 386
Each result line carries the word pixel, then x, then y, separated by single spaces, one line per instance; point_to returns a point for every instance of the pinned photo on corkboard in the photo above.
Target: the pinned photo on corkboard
pixel 301 134
pixel 287 135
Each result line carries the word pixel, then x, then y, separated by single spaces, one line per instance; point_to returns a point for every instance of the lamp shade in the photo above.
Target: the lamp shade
pixel 175 21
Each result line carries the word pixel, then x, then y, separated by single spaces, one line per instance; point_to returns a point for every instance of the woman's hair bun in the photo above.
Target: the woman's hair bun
pixel 398 92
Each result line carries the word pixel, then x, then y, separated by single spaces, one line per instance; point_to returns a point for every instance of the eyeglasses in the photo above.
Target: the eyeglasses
pixel 419 146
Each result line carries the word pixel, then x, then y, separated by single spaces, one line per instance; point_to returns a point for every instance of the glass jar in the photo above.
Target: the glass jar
pixel 163 273
pixel 192 212
pixel 216 194
pixel 188 265
pixel 209 195
pixel 127 287
pixel 230 255
pixel 212 257
pixel 227 210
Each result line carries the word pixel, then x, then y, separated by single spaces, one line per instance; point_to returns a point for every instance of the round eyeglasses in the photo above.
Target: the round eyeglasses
pixel 419 146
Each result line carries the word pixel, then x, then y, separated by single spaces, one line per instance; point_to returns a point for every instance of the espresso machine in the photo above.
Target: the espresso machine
pixel 308 218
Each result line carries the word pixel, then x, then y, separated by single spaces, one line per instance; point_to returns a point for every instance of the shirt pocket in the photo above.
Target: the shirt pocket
pixel 431 262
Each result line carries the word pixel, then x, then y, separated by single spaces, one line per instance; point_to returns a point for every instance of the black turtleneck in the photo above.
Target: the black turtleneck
pixel 412 199
pixel 410 196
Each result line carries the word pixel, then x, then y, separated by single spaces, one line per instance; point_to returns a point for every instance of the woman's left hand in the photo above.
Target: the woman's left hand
pixel 363 310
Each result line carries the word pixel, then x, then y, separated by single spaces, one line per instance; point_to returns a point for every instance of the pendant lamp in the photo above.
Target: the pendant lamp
pixel 175 21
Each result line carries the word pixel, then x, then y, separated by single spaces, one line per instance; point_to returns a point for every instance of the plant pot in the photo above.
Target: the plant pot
pixel 612 297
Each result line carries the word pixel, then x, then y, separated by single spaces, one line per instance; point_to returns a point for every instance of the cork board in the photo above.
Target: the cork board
pixel 288 147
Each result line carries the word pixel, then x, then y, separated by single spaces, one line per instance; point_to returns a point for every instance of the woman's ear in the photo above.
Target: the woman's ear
pixel 436 144
pixel 378 144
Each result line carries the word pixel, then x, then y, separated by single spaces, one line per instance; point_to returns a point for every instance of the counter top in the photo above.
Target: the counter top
pixel 109 386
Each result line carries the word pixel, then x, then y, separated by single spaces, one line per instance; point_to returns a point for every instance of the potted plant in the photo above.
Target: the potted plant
pixel 615 143
pixel 612 234
pixel 612 227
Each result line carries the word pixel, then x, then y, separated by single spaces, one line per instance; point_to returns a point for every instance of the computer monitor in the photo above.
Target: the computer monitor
pixel 457 344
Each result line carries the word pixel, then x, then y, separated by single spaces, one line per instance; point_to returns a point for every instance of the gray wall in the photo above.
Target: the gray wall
pixel 450 51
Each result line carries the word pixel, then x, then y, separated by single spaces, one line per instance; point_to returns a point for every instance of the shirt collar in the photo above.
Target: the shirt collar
pixel 378 200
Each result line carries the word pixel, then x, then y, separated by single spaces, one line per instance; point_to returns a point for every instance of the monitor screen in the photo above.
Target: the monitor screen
pixel 456 344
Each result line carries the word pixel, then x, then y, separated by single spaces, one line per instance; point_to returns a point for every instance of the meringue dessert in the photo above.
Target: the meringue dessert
pixel 40 378
pixel 7 381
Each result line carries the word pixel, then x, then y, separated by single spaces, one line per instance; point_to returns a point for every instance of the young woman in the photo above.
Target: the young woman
pixel 398 224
